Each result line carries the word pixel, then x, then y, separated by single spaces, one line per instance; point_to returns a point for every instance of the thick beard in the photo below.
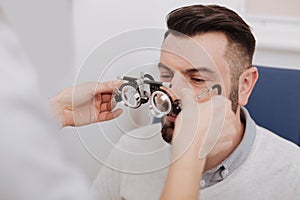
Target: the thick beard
pixel 167 130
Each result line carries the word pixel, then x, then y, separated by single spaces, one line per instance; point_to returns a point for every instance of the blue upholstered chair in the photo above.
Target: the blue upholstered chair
pixel 275 102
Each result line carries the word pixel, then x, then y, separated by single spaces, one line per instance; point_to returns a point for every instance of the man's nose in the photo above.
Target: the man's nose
pixel 178 82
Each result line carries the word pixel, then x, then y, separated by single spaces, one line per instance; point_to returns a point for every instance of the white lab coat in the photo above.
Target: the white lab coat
pixel 32 166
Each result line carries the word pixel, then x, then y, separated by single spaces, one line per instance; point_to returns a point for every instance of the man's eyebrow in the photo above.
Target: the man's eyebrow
pixel 161 65
pixel 198 69
pixel 189 71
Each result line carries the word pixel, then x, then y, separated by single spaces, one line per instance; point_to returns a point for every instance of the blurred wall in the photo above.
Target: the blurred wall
pixel 45 30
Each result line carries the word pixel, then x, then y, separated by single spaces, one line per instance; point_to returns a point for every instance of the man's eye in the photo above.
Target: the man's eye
pixel 197 80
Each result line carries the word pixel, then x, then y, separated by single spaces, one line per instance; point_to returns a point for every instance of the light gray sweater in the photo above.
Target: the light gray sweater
pixel 137 170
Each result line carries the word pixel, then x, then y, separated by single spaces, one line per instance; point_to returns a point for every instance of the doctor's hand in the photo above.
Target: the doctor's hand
pixel 198 128
pixel 86 103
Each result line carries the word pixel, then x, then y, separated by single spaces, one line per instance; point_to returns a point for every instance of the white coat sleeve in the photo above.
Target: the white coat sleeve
pixel 32 163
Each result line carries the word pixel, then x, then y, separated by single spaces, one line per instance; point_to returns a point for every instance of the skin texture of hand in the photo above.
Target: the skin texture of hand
pixel 86 103
pixel 197 130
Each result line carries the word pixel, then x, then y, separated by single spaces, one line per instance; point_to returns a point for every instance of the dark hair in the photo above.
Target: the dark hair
pixel 200 19
pixel 197 19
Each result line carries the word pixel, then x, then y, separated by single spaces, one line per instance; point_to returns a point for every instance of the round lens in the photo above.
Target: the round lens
pixel 160 103
pixel 131 96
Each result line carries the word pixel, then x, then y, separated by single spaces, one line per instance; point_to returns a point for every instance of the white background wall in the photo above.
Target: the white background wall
pixel 59 34
pixel 45 30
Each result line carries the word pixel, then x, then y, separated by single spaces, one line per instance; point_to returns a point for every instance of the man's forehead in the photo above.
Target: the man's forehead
pixel 205 50
pixel 206 43
pixel 186 59
pixel 179 43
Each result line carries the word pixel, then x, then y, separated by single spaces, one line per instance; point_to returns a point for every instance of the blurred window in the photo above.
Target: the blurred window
pixel 288 9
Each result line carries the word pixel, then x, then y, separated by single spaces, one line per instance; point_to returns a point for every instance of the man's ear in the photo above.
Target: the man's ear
pixel 247 82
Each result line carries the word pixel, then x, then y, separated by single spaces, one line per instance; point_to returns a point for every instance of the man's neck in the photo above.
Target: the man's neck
pixel 236 137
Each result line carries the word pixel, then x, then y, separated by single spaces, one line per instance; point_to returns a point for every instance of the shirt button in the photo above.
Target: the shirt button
pixel 202 183
pixel 225 172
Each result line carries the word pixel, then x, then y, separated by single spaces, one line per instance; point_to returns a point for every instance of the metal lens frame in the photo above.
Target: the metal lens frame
pixel 133 94
pixel 216 86
pixel 130 96
pixel 164 108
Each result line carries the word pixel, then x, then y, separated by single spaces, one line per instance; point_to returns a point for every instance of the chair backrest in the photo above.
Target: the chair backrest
pixel 275 102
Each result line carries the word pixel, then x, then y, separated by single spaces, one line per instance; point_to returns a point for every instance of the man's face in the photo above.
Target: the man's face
pixel 197 63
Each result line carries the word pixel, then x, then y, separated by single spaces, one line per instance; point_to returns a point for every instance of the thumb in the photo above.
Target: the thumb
pixel 188 99
pixel 217 121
